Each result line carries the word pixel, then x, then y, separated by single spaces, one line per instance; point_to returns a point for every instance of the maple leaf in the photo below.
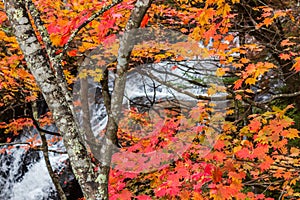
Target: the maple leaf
pixel 30 98
pixel 174 67
pixel 221 72
pixel 179 58
pixel 294 152
pixel 8 140
pixel 53 28
pixel 268 21
pixel 255 125
pixel 266 163
pixel 250 81
pixel 244 60
pixel 243 153
pixel 238 97
pixel 217 175
pixel 219 145
pixel 261 151
pixel 184 30
pixel 287 175
pixel 160 192
pixel 125 195
pixel 287 42
pixel 291 133
pixel 296 66
pixel 285 56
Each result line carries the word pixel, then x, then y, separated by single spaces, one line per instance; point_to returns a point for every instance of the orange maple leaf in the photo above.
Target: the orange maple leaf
pixel 284 56
pixel 244 60
pixel 287 42
pixel 266 164
pixel 296 66
pixel 255 125
pixel 238 84
pixel 268 21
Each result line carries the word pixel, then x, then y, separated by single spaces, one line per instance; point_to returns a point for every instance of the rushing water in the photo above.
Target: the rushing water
pixel 23 172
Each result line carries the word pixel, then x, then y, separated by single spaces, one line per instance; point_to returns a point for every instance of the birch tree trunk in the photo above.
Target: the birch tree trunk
pixel 94 183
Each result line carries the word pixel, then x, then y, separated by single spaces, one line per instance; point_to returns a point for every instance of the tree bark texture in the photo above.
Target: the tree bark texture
pixel 92 176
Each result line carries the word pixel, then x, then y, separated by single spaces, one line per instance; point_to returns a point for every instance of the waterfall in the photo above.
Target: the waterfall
pixel 23 172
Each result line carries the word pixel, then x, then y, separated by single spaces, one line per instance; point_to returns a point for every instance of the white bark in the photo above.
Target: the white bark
pixel 94 184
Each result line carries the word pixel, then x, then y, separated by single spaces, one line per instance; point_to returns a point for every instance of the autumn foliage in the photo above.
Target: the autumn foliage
pixel 256 153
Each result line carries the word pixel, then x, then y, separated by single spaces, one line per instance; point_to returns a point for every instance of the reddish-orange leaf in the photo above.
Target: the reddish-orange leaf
pixel 174 67
pixel 238 84
pixel 266 164
pixel 244 60
pixel 125 195
pixel 255 125
pixel 72 52
pixel 179 58
pixel 145 20
pixel 287 42
pixel 143 197
pixel 238 97
pixel 243 153
pixel 268 21
pixel 284 56
pixel 296 66
pixel 287 175
pixel 217 175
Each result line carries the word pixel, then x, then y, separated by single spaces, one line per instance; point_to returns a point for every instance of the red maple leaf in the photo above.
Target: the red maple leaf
pixel 255 125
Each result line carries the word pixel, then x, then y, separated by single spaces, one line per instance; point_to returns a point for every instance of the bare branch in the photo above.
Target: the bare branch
pixel 54 177
pixel 15 143
pixel 170 85
pixel 273 97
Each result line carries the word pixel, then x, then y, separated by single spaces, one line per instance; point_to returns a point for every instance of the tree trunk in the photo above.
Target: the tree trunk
pixel 92 176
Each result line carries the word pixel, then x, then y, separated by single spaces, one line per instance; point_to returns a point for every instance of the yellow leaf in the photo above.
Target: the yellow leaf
pixel 249 91
pixel 220 72
pixel 250 81
pixel 56 39
pixel 230 112
pixel 294 152
pixel 211 91
pixel 82 74
pixel 293 133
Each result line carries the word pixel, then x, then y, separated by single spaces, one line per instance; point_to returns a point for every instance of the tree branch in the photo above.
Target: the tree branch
pixel 126 46
pixel 170 85
pixel 54 177
pixel 76 31
pixel 15 143
pixel 273 97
